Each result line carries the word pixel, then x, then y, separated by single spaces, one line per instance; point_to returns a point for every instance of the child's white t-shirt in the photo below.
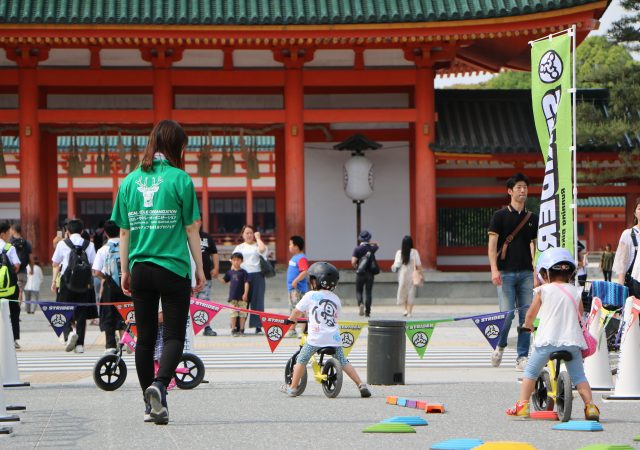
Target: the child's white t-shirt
pixel 558 316
pixel 323 308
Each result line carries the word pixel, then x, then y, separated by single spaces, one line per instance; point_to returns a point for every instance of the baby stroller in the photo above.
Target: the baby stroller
pixel 110 371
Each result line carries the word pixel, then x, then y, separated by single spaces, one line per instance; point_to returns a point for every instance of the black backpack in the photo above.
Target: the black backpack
pixel 22 248
pixel 77 276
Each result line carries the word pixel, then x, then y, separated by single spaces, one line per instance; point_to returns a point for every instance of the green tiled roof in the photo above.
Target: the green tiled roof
pixel 600 202
pixel 266 12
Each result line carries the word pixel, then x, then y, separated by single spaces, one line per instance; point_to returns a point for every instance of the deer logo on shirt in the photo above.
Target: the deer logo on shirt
pixel 149 191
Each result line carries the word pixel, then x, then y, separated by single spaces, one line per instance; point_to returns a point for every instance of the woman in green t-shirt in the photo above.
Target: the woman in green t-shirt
pixel 156 210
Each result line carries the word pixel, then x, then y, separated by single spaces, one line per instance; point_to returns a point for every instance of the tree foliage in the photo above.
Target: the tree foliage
pixel 626 30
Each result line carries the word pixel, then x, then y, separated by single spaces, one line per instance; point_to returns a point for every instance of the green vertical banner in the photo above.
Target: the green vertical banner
pixel 551 78
pixel 419 333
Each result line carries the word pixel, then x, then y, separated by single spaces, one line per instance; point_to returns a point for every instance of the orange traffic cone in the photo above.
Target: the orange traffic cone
pixel 628 383
pixel 8 359
pixel 596 366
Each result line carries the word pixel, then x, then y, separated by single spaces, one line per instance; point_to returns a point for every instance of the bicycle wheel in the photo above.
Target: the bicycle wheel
pixel 332 385
pixel 109 372
pixel 540 399
pixel 288 375
pixel 564 399
pixel 193 371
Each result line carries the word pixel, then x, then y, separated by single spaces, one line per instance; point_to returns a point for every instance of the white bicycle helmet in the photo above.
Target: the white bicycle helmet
pixel 553 258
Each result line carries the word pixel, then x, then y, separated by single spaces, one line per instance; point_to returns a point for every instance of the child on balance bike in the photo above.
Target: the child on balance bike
pixel 556 303
pixel 323 307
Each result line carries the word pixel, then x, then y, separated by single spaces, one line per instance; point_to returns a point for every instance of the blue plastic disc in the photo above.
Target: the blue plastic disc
pixel 409 420
pixel 457 444
pixel 579 425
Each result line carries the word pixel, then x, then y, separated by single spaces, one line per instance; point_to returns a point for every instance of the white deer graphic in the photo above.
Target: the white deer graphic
pixel 149 191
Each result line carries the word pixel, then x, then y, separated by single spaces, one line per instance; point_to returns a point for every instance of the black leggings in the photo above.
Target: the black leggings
pixel 14 314
pixel 149 283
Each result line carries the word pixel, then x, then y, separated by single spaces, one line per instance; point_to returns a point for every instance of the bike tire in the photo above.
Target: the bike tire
pixel 540 399
pixel 109 372
pixel 196 372
pixel 333 384
pixel 564 397
pixel 288 375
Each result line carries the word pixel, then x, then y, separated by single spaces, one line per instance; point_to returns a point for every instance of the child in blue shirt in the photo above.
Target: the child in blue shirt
pixel 296 275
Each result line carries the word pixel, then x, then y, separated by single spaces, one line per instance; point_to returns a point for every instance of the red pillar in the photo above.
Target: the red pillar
pixel 162 94
pixel 71 199
pixel 281 177
pixel 249 203
pixel 31 189
pixel 424 167
pixel 294 148
pixel 205 204
pixel 49 201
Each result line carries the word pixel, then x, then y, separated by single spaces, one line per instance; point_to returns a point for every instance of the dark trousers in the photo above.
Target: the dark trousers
pixel 149 283
pixel 364 282
pixel 257 288
pixel 14 314
pixel 607 275
pixel 81 312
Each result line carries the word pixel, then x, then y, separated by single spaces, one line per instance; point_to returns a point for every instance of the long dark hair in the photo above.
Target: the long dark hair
pixel 168 138
pixel 635 218
pixel 407 245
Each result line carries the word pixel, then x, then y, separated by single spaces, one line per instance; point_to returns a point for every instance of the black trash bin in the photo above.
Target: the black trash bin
pixel 386 347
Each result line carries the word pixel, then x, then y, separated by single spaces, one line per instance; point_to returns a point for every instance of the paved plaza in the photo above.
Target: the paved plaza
pixel 241 406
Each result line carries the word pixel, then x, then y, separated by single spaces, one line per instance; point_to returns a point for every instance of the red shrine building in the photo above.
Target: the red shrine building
pixel 265 90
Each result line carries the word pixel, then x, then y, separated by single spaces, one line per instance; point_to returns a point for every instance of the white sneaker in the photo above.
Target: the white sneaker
pixel 16 345
pixel 79 349
pixel 496 356
pixel 110 351
pixel 71 341
pixel 521 363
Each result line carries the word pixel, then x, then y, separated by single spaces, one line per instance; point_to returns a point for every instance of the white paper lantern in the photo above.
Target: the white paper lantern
pixel 358 178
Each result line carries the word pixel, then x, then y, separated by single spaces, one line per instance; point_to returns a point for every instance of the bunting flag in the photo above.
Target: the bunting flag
pixel 128 314
pixel 349 332
pixel 202 312
pixel 274 328
pixel 490 325
pixel 58 314
pixel 551 84
pixel 419 333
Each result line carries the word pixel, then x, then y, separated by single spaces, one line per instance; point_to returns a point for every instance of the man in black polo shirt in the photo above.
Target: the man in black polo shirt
pixel 512 273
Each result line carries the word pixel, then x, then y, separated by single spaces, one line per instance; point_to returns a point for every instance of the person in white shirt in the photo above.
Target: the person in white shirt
pixel 14 261
pixel 323 310
pixel 106 267
pixel 627 251
pixel 60 260
pixel 32 287
pixel 252 249
pixel 557 304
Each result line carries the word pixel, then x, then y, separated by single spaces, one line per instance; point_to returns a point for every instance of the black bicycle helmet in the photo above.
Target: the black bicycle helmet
pixel 325 274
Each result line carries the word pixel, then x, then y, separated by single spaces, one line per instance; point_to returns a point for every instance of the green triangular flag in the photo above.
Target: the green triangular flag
pixel 419 333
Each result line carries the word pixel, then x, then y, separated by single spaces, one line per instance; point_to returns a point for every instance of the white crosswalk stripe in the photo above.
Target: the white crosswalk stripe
pixel 252 359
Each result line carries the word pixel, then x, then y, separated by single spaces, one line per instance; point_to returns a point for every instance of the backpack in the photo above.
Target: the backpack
pixel 22 248
pixel 8 278
pixel 77 276
pixel 112 262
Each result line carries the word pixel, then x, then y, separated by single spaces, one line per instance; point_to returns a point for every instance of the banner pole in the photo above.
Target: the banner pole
pixel 574 147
